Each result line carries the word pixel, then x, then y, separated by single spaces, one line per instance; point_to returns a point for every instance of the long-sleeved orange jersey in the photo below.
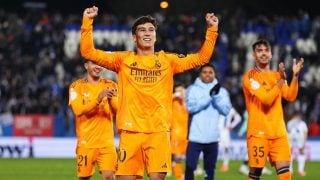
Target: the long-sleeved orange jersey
pixel 264 103
pixel 145 82
pixel 179 124
pixel 94 123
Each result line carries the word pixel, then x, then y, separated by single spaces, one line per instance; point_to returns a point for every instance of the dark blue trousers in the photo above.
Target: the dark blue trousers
pixel 210 154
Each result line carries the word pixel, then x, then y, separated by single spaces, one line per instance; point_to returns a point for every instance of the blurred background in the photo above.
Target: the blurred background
pixel 39 54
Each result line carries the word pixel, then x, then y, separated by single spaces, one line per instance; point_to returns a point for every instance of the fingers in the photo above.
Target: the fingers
pixel 92 11
pixel 281 66
pixel 212 20
pixel 282 71
pixel 109 92
pixel 301 61
pixel 211 16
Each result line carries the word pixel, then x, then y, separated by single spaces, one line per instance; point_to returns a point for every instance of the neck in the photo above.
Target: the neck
pixel 92 80
pixel 145 52
pixel 263 67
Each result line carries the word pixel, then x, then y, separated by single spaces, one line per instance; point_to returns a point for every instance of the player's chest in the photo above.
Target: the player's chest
pixel 90 92
pixel 154 62
pixel 267 80
pixel 146 70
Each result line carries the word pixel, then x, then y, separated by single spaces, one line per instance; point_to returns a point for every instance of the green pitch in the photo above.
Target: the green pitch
pixel 64 169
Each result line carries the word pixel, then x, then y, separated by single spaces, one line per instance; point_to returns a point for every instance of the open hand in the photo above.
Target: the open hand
pixel 282 71
pixel 296 67
pixel 108 92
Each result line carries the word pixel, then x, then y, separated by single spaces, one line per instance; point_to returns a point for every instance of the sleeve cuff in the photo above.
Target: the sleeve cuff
pixel 213 29
pixel 86 23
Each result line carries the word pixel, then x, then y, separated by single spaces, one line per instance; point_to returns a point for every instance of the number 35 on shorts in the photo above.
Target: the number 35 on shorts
pixel 257 156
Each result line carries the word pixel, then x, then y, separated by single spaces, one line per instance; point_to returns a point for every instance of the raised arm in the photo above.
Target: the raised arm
pixel 106 59
pixel 203 56
pixel 290 92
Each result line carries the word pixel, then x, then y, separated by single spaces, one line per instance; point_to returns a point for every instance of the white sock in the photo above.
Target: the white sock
pixel 301 162
pixel 291 164
pixel 226 159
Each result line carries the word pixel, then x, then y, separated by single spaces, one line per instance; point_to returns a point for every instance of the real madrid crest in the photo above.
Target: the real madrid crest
pixel 157 64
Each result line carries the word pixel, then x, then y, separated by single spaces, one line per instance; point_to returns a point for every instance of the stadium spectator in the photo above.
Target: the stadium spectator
pixel 94 100
pixel 205 101
pixel 266 131
pixel 145 86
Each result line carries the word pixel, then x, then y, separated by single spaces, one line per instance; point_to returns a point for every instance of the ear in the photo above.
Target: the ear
pixel 134 38
pixel 86 65
pixel 253 55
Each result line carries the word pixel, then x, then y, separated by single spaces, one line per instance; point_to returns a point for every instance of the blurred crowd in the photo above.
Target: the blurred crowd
pixel 37 64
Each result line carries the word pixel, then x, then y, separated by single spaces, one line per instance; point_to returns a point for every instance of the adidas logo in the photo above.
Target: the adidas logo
pixel 164 166
pixel 134 64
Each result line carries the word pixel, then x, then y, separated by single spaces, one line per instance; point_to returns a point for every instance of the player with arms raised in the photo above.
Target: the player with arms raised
pixel 145 93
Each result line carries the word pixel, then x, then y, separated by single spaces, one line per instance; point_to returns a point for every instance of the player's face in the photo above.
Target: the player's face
pixel 207 75
pixel 145 36
pixel 93 69
pixel 262 54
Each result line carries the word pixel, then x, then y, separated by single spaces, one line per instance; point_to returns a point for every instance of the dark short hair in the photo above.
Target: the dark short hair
pixel 261 42
pixel 207 65
pixel 178 84
pixel 143 20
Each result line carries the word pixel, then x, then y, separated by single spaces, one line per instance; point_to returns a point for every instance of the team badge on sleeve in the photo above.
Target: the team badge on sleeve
pixel 254 84
pixel 73 94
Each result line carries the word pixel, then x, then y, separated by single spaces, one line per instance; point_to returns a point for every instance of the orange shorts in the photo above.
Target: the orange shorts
pixel 139 150
pixel 179 146
pixel 105 157
pixel 260 148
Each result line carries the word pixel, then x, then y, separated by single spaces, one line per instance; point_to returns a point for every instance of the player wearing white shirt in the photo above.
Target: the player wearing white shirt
pixel 298 132
pixel 226 124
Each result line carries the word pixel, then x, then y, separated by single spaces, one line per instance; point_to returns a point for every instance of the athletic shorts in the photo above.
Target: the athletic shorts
pixel 105 157
pixel 138 150
pixel 260 148
pixel 178 146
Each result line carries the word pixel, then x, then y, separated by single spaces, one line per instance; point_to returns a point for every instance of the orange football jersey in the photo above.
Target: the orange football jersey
pixel 145 82
pixel 94 123
pixel 264 103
